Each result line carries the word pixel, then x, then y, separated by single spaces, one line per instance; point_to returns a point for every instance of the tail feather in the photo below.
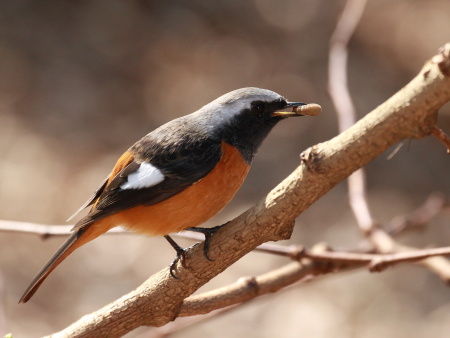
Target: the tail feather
pixel 75 240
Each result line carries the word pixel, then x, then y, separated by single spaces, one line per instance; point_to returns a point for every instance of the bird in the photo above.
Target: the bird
pixel 179 175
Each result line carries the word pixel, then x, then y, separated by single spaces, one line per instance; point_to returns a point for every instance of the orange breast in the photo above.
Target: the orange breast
pixel 193 206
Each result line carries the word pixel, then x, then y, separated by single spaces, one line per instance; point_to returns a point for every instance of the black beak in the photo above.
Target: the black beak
pixel 295 104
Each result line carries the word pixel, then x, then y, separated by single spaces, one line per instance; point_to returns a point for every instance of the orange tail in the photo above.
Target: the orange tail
pixel 77 239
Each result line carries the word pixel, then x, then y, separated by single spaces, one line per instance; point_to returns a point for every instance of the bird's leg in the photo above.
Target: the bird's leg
pixel 208 232
pixel 180 255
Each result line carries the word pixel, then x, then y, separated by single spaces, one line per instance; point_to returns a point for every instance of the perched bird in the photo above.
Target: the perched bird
pixel 181 174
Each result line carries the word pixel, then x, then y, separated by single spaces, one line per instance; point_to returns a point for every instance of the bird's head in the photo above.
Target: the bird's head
pixel 245 116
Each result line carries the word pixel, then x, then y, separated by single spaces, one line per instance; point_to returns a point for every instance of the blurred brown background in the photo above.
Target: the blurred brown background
pixel 80 81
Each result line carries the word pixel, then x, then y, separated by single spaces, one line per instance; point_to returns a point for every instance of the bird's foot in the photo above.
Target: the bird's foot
pixel 180 256
pixel 208 232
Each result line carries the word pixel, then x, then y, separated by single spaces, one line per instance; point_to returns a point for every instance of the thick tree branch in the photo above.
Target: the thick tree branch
pixel 411 113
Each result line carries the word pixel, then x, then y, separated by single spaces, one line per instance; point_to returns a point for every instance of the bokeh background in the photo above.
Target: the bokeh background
pixel 80 81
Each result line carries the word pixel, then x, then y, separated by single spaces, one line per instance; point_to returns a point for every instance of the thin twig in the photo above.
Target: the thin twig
pixel 337 66
pixel 340 94
pixel 322 252
pixel 43 230
pixel 376 262
pixel 442 137
pixel 433 206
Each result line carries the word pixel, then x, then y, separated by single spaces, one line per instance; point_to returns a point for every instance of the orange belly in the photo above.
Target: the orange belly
pixel 193 206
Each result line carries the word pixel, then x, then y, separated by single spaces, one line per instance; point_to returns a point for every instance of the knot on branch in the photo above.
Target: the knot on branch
pixel 443 59
pixel 250 284
pixel 297 252
pixel 378 264
pixel 312 159
pixel 285 232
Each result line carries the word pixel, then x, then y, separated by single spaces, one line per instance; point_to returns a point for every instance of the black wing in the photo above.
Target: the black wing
pixel 182 161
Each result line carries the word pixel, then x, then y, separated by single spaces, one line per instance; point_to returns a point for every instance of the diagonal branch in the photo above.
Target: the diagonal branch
pixel 411 113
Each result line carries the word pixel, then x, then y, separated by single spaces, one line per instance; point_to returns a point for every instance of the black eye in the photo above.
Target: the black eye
pixel 258 108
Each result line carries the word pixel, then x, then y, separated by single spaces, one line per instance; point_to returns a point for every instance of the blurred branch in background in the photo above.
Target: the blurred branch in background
pixel 340 95
pixel 442 137
pixel 433 205
pixel 342 101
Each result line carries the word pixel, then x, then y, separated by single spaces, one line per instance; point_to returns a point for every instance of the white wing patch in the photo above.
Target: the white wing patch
pixel 146 176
